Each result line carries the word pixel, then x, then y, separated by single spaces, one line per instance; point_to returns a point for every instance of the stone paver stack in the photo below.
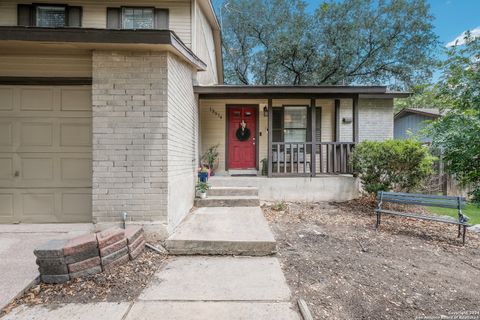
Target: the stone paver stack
pixel 135 240
pixel 113 247
pixel 88 254
pixel 51 261
pixel 81 255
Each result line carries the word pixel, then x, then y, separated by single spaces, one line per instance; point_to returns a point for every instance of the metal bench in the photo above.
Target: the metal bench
pixel 423 200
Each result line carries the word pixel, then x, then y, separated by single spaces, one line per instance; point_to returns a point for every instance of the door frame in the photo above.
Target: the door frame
pixel 227 127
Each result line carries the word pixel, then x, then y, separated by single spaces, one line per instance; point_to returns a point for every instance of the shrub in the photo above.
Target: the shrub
pixel 399 165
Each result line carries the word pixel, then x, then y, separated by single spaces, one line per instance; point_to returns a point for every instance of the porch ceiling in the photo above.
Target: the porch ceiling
pixel 282 91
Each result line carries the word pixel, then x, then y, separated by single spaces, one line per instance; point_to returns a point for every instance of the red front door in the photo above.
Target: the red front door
pixel 242 130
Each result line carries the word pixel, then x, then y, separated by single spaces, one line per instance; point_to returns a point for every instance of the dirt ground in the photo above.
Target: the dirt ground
pixel 122 284
pixel 409 269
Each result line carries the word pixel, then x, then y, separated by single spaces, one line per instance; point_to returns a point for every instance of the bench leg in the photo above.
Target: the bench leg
pixel 459 231
pixel 464 232
pixel 378 220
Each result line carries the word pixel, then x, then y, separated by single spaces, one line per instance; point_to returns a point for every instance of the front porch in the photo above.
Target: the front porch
pixel 295 135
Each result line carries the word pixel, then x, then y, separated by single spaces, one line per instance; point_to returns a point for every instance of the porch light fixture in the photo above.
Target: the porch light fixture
pixel 265 111
pixel 347 120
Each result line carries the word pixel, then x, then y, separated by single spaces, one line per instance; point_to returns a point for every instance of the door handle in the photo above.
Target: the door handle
pixel 16 174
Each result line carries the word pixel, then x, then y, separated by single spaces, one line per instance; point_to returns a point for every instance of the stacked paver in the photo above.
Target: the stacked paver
pixel 135 241
pixel 61 260
pixel 113 247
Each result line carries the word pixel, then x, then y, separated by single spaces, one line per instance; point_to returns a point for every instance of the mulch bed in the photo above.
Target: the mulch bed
pixel 335 260
pixel 122 284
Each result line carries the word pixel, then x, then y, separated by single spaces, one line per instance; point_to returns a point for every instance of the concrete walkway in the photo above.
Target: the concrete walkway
pixel 203 287
pixel 17 242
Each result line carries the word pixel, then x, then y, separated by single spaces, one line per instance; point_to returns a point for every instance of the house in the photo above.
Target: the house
pixel 410 121
pixel 105 107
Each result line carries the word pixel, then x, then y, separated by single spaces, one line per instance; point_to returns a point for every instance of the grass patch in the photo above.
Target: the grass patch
pixel 471 210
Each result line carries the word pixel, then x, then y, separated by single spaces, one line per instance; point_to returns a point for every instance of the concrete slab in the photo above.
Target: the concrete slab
pixel 227 201
pixel 151 310
pixel 17 242
pixel 219 279
pixel 223 230
pixel 73 311
pixel 233 191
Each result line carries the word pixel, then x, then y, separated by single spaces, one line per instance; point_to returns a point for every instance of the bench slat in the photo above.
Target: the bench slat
pixel 421 216
pixel 418 195
pixel 423 203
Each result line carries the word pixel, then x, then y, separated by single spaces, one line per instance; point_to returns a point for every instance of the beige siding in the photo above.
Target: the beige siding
pixel 205 48
pixel 182 140
pixel 45 64
pixel 375 118
pixel 94 13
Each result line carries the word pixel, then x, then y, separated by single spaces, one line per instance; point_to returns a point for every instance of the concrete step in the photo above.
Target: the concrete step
pixel 224 231
pixel 228 201
pixel 233 191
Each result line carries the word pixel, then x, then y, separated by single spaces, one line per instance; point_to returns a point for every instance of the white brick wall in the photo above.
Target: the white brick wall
pixel 346 129
pixel 182 142
pixel 375 118
pixel 129 94
pixel 145 127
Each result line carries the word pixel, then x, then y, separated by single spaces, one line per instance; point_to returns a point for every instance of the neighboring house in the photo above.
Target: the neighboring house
pixel 409 122
pixel 105 107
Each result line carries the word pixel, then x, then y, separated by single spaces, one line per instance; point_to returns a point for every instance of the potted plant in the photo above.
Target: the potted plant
pixel 211 157
pixel 202 188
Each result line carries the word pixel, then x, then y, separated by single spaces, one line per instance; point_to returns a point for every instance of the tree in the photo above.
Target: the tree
pixel 457 133
pixel 352 41
pixel 423 96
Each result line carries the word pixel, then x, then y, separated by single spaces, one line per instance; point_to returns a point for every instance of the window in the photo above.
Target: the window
pixel 138 18
pixel 49 16
pixel 292 124
pixel 295 124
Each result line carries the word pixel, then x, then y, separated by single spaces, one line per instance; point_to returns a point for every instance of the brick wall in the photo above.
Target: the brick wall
pixel 346 129
pixel 375 117
pixel 145 127
pixel 182 144
pixel 129 94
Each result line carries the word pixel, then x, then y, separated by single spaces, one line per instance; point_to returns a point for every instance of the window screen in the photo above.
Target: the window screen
pixel 50 16
pixel 138 18
pixel 295 124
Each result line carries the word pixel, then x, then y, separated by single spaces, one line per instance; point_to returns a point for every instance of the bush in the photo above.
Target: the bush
pixel 398 165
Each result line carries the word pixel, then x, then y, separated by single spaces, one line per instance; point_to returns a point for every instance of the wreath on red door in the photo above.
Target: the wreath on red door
pixel 243 133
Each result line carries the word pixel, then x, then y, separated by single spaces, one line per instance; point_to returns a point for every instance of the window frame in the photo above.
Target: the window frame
pixel 39 4
pixel 122 16
pixel 27 15
pixel 307 125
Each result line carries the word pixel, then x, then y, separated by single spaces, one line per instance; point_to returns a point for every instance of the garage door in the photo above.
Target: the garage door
pixel 45 154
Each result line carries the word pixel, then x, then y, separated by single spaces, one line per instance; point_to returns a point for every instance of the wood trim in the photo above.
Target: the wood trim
pixel 227 127
pixel 42 81
pixel 270 136
pixel 313 110
pixel 337 120
pixel 94 36
pixel 355 119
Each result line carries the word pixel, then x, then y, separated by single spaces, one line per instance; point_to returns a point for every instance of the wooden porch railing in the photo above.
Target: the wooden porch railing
pixel 296 159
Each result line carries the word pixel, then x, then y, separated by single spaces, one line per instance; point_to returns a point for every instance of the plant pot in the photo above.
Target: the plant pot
pixel 203 195
pixel 203 176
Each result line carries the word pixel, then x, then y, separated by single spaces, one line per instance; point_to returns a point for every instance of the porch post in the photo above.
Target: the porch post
pixel 355 118
pixel 313 157
pixel 270 134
